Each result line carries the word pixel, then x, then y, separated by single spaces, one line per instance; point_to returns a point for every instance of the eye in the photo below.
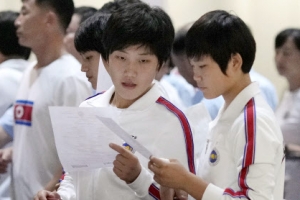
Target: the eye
pixel 23 12
pixel 120 58
pixel 88 57
pixel 286 53
pixel 144 61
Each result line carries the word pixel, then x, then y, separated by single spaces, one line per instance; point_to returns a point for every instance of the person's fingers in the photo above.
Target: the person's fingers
pixel 120 158
pixel 7 155
pixel 120 149
pixel 57 195
pixel 159 162
pixel 166 193
pixel 118 172
pixel 153 167
pixel 118 164
pixel 46 195
pixel 53 196
pixel 181 195
pixel 41 195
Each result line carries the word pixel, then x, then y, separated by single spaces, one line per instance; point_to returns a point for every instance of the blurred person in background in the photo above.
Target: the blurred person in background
pixel 54 79
pixel 287 59
pixel 167 87
pixel 13 62
pixel 80 15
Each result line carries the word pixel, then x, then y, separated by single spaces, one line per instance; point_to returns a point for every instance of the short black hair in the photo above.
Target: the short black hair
pixel 220 34
pixel 84 12
pixel 114 6
pixel 89 34
pixel 63 8
pixel 293 33
pixel 139 24
pixel 179 46
pixel 9 45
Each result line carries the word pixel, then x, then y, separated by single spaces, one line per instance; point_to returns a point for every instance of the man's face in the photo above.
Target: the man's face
pixel 69 38
pixel 31 23
pixel 287 60
pixel 184 67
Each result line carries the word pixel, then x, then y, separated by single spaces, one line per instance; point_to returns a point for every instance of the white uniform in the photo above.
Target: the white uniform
pixel 35 159
pixel 288 116
pixel 244 156
pixel 159 126
pixel 11 72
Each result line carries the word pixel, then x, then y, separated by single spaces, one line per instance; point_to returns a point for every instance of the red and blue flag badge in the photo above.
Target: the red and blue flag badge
pixel 23 112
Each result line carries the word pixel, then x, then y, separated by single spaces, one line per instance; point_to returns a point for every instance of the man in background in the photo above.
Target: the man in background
pixel 53 80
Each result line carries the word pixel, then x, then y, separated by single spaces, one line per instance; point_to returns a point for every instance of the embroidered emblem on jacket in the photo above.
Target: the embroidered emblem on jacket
pixel 127 146
pixel 214 157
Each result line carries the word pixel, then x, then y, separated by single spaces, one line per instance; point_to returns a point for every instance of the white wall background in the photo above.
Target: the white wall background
pixel 265 18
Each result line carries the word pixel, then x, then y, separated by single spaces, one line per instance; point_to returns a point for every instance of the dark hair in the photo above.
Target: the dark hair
pixel 89 34
pixel 285 34
pixel 139 24
pixel 9 45
pixel 115 5
pixel 63 8
pixel 219 34
pixel 85 12
pixel 179 46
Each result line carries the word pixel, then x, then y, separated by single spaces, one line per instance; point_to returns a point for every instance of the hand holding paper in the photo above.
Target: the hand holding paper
pixel 126 165
pixel 115 128
pixel 82 137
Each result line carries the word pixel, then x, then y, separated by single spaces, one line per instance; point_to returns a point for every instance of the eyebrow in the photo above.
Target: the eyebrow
pixel 143 54
pixel 146 53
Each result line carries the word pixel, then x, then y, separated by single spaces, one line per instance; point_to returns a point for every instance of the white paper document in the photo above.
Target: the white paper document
pixel 115 128
pixel 82 136
pixel 82 141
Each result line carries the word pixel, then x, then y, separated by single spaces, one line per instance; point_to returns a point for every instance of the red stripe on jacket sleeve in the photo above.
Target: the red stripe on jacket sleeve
pixel 249 151
pixel 154 192
pixel 186 129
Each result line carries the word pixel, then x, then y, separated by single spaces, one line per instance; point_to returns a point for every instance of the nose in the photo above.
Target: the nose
pixel 131 69
pixel 17 21
pixel 197 76
pixel 84 67
pixel 278 58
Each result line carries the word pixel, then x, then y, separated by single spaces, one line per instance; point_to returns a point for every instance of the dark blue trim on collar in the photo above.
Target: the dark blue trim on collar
pixel 95 95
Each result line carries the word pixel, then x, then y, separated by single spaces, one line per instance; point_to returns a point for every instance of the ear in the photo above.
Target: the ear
pixel 51 18
pixel 236 62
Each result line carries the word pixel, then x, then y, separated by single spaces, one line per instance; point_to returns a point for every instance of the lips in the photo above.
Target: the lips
pixel 19 33
pixel 88 77
pixel 128 84
pixel 201 88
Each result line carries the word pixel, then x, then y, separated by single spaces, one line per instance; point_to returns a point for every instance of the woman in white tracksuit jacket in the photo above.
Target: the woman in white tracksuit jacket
pixel 158 125
pixel 134 51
